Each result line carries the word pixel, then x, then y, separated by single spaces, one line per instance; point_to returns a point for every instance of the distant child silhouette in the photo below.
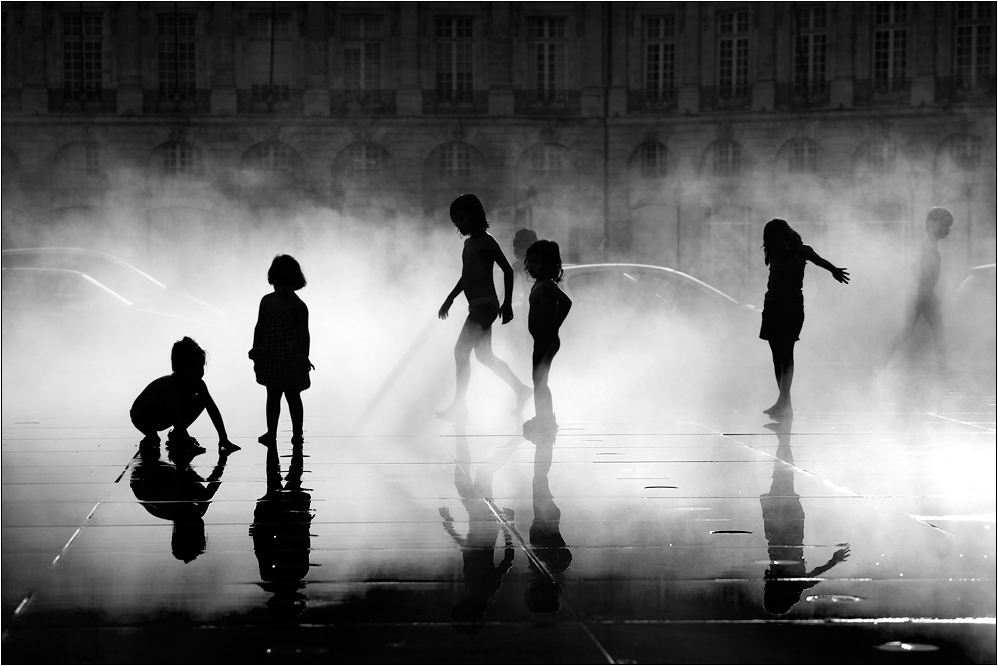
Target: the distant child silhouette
pixel 783 308
pixel 938 223
pixel 549 306
pixel 481 253
pixel 176 400
pixel 281 346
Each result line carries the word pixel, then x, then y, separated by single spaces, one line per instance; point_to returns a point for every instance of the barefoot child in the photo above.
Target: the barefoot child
pixel 176 400
pixel 938 223
pixel 281 346
pixel 549 306
pixel 783 307
pixel 481 253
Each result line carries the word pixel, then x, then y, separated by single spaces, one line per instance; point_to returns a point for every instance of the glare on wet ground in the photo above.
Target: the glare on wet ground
pixel 840 537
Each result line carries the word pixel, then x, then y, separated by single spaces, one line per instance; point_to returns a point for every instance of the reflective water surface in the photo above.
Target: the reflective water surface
pixel 833 537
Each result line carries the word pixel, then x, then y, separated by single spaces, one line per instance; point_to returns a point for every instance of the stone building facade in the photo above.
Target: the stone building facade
pixel 657 132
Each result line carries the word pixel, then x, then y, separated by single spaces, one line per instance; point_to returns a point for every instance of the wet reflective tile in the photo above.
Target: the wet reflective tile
pixel 686 539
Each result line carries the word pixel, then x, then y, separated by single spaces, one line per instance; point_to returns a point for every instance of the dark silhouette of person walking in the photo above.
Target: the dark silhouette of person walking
pixel 783 308
pixel 925 304
pixel 281 347
pixel 481 253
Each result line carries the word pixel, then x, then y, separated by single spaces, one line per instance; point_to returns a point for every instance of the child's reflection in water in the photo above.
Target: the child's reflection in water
pixel 280 533
pixel 176 492
pixel 783 520
pixel 482 576
pixel 543 594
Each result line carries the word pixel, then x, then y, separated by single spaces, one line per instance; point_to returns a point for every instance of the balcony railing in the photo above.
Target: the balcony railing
pixel 181 101
pixel 278 100
pixel 651 101
pixel 83 100
pixel 547 103
pixel 883 91
pixel 436 103
pixel 809 95
pixel 728 97
pixel 362 102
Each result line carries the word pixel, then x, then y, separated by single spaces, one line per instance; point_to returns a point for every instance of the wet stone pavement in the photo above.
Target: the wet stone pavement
pixel 863 537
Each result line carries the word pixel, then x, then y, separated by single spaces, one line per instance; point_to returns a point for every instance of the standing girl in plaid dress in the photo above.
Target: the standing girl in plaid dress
pixel 280 347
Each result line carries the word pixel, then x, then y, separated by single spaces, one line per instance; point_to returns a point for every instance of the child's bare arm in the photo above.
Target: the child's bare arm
pixel 304 339
pixel 840 274
pixel 564 305
pixel 256 329
pixel 506 310
pixel 215 416
pixel 449 301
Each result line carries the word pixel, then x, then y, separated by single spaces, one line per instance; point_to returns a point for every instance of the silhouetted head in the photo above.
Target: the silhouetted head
pixel 468 214
pixel 188 357
pixel 285 271
pixel 778 238
pixel 938 222
pixel 189 540
pixel 543 261
pixel 523 239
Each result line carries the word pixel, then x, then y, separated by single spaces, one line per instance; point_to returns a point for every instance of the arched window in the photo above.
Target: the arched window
pixel 965 151
pixel 269 157
pixel 363 159
pixel 725 158
pixel 176 158
pixel 549 160
pixel 80 159
pixel 455 160
pixel 650 160
pixel 802 156
pixel 878 155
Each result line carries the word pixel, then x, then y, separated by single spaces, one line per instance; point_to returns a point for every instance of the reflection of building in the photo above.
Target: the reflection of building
pixel 648 123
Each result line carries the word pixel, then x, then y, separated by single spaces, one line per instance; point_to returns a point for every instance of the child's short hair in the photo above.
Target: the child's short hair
pixel 523 239
pixel 939 214
pixel 286 271
pixel 543 261
pixel 473 209
pixel 186 353
pixel 777 232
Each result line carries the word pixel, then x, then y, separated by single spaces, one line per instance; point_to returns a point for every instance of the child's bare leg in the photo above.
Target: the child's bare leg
pixel 297 413
pixel 783 365
pixel 485 355
pixel 543 402
pixel 911 320
pixel 470 334
pixel 273 411
pixel 933 315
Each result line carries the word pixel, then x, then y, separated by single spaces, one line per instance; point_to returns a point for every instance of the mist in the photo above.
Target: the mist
pixel 378 271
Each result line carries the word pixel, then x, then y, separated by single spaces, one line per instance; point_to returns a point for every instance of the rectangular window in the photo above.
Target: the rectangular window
pixel 269 61
pixel 83 56
pixel 660 55
pixel 362 52
pixel 177 55
pixel 972 57
pixel 548 49
pixel 810 48
pixel 455 160
pixel 890 45
pixel 178 159
pixel 455 59
pixel 733 54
